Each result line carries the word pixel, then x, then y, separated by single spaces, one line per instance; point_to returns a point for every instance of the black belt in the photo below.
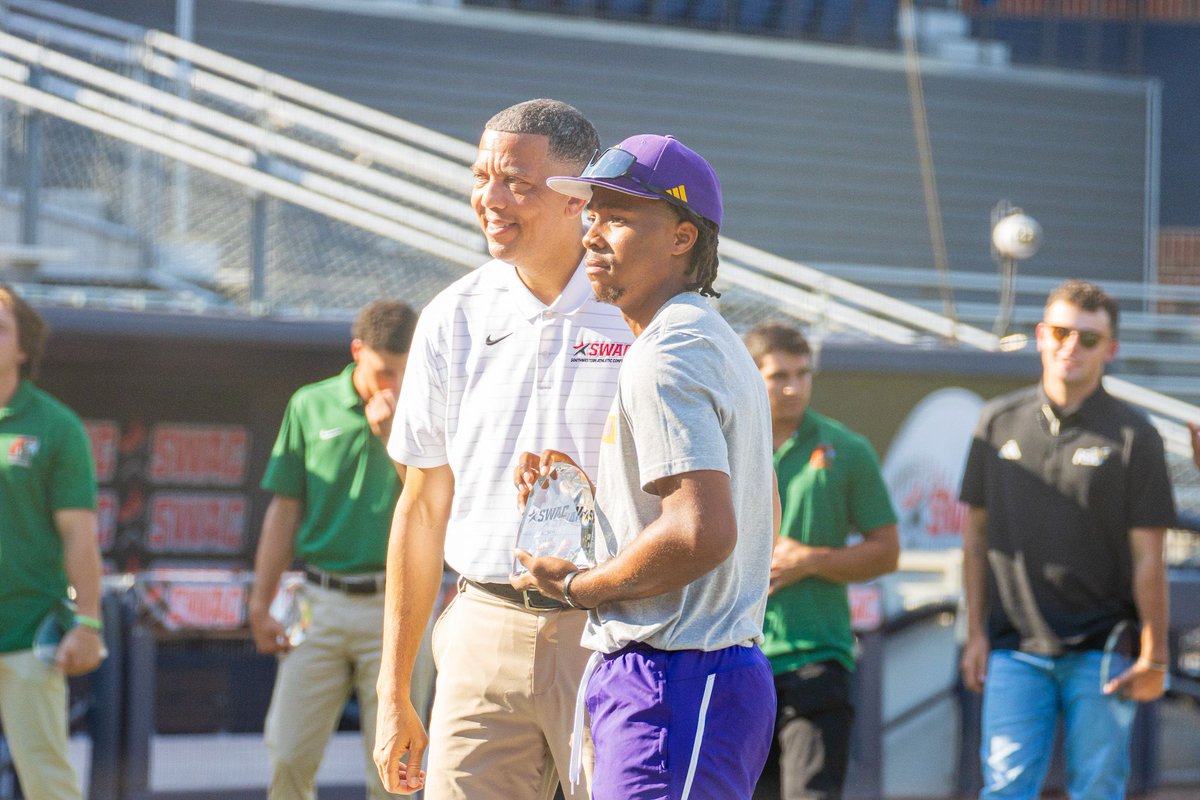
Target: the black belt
pixel 534 601
pixel 350 584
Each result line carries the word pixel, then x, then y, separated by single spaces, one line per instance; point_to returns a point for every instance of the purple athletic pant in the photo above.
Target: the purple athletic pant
pixel 680 725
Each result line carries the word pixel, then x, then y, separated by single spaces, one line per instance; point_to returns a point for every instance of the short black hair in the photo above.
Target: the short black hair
pixel 385 325
pixel 1088 296
pixel 775 337
pixel 31 330
pixel 572 137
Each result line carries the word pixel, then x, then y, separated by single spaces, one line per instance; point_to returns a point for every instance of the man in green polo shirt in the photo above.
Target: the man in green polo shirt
pixel 829 485
pixel 47 542
pixel 335 489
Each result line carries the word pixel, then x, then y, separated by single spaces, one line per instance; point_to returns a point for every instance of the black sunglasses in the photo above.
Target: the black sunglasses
pixel 1087 339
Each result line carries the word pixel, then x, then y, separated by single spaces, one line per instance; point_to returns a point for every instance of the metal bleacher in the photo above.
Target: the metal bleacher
pixel 394 189
pixel 220 127
pixel 814 142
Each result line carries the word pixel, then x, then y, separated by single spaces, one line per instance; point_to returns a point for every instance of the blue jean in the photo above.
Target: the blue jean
pixel 1022 700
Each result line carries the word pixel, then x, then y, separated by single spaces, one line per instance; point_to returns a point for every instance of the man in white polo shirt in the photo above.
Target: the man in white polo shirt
pixel 516 356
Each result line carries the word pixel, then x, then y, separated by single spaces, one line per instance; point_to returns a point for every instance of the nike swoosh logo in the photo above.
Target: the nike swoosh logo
pixel 330 433
pixel 490 341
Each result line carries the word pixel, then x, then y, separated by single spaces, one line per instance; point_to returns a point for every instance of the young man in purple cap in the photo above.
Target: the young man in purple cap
pixel 681 698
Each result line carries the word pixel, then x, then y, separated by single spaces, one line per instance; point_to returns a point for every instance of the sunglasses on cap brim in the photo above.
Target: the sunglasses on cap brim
pixel 616 163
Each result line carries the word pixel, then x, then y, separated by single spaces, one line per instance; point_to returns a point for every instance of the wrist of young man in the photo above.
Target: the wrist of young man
pixel 568 595
pixel 89 623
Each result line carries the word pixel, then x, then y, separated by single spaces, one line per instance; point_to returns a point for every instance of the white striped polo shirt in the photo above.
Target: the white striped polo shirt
pixel 493 372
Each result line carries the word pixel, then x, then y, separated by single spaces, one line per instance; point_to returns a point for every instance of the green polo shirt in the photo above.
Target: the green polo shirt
pixel 830 484
pixel 327 457
pixel 45 466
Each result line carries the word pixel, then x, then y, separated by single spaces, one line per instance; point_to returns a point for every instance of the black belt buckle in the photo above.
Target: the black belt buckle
pixel 548 603
pixel 530 599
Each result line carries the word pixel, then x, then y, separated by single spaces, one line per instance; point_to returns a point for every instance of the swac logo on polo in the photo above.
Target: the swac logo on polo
pixel 1090 456
pixel 22 450
pixel 822 456
pixel 599 352
pixel 1011 451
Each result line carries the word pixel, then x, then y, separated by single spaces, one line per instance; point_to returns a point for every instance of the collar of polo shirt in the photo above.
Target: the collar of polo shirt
pixel 1092 406
pixel 577 292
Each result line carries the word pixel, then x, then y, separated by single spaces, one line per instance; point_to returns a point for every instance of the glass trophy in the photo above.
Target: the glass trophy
pixel 51 630
pixel 1120 651
pixel 291 609
pixel 559 519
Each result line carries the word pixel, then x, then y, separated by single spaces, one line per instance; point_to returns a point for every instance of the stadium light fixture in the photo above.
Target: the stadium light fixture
pixel 1016 236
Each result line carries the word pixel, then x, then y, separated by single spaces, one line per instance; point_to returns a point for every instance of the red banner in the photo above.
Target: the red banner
pixel 196 522
pixel 199 455
pixel 104 436
pixel 866 606
pixel 106 517
pixel 192 598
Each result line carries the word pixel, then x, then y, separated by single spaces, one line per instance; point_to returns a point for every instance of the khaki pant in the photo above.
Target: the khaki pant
pixel 504 701
pixel 33 708
pixel 342 652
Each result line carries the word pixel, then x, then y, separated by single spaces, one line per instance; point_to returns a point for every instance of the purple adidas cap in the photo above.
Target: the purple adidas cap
pixel 648 165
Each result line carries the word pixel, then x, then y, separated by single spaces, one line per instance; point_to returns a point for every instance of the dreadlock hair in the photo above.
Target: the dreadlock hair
pixel 704 252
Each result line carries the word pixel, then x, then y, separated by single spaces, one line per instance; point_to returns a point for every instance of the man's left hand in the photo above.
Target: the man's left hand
pixel 380 410
pixel 1139 682
pixel 791 562
pixel 81 651
pixel 545 574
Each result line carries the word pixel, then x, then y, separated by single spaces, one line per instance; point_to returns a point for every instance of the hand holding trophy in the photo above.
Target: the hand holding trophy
pixel 292 609
pixel 559 511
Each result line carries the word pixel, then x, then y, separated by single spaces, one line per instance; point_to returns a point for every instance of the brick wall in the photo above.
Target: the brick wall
pixel 1185 11
pixel 1179 255
pixel 1179 264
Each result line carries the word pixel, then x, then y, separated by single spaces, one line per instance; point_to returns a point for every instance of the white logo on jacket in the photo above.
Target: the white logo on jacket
pixel 1090 456
pixel 1011 451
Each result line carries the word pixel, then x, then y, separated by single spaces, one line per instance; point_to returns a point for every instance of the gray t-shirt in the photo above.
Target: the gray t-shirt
pixel 689 398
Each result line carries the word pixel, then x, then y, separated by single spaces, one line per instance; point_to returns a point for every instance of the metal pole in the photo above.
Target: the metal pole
pixel 32 178
pixel 258 249
pixel 185 22
pixel 3 108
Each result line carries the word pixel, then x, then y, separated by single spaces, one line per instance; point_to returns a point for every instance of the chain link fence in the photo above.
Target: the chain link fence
pixel 130 215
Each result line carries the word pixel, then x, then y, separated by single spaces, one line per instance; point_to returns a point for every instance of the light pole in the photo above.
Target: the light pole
pixel 1015 237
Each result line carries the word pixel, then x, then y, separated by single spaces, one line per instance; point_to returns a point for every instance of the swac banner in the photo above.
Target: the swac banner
pixel 194 599
pixel 198 455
